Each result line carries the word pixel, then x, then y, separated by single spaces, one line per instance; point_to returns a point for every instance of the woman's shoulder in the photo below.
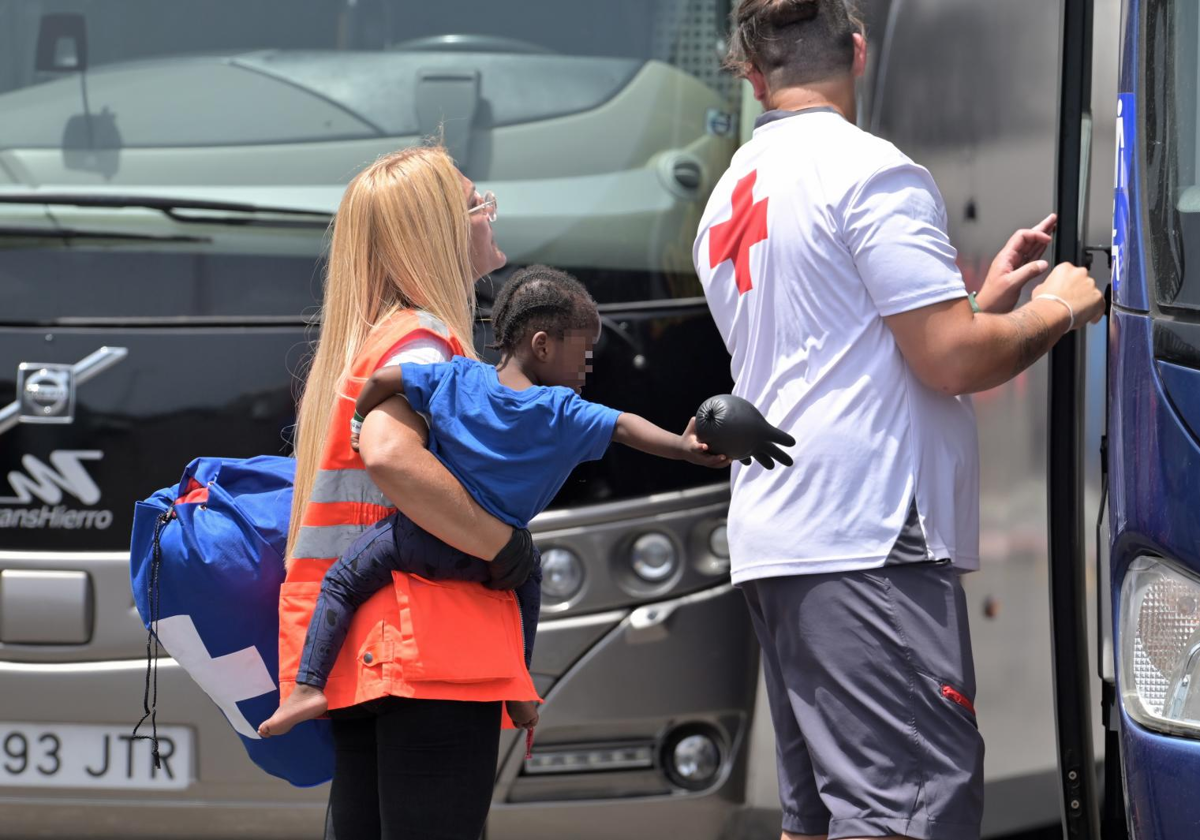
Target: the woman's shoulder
pixel 404 321
pixel 412 335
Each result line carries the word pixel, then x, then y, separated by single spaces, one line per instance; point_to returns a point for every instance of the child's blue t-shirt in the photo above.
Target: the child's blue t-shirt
pixel 511 450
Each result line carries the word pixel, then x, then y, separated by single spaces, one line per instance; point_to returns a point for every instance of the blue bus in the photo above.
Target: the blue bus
pixel 1151 452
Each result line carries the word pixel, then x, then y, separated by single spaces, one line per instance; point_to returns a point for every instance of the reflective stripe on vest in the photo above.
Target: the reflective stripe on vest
pixel 347 486
pixel 319 542
pixel 433 324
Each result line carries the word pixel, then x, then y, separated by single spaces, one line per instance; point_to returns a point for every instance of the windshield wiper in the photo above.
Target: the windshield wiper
pixel 11 232
pixel 177 208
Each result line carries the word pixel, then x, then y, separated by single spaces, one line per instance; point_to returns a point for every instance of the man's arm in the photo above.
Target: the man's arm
pixel 955 351
pixel 392 446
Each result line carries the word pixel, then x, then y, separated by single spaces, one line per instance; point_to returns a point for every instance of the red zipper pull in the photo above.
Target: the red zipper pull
pixel 955 696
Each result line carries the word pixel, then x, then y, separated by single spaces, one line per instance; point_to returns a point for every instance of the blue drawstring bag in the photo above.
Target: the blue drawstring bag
pixel 206 562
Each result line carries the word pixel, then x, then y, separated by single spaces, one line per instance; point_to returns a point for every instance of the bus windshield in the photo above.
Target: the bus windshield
pixel 1169 122
pixel 601 127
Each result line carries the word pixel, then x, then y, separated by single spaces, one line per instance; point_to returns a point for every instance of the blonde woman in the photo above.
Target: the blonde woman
pixel 416 713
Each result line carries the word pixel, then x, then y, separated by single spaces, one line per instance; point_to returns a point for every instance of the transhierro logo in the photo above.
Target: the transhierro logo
pixel 47 484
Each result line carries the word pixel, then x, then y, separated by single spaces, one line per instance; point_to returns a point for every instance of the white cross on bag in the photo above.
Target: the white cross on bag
pixel 227 679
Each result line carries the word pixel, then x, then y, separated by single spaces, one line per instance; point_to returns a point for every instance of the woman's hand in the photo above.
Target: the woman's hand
pixel 514 563
pixel 524 713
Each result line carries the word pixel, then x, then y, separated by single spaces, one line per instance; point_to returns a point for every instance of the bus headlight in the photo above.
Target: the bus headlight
pixel 692 757
pixel 718 542
pixel 1159 622
pixel 654 557
pixel 562 574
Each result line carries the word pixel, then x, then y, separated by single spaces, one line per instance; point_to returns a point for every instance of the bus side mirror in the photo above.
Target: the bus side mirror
pixel 62 44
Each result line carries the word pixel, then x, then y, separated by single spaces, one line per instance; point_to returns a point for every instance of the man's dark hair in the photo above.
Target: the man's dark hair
pixel 539 298
pixel 792 42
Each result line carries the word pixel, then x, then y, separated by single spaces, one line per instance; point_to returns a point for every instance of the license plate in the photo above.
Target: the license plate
pixel 80 756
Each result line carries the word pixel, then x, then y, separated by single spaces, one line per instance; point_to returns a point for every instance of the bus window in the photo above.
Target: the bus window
pixel 1170 123
pixel 602 127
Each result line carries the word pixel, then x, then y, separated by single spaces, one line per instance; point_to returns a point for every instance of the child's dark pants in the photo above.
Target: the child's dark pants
pixel 394 544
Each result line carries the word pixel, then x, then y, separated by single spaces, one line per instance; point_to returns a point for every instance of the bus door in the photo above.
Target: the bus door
pixel 1065 456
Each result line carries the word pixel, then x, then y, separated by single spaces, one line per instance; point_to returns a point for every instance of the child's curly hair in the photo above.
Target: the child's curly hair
pixel 540 298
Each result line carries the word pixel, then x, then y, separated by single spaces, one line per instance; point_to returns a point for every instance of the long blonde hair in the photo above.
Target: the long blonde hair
pixel 401 240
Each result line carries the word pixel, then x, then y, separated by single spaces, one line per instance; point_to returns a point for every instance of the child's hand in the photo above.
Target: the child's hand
pixel 524 713
pixel 354 441
pixel 696 452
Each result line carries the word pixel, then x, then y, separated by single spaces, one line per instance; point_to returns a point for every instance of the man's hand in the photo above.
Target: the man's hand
pixel 1018 262
pixel 1072 285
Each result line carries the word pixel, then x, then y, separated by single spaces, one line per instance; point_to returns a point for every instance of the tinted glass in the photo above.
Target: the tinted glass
pixel 600 126
pixel 1169 150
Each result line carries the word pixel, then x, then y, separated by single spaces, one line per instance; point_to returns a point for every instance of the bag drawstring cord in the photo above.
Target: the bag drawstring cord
pixel 150 701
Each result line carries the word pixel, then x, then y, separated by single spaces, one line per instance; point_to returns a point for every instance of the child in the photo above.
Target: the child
pixel 511 435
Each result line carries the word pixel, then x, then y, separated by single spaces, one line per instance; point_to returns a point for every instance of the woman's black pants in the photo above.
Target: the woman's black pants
pixel 413 769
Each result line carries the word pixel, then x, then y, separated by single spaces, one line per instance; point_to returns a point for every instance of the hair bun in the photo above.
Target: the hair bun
pixel 788 12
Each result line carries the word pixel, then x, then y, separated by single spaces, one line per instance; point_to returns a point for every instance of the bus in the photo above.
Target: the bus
pixel 1152 399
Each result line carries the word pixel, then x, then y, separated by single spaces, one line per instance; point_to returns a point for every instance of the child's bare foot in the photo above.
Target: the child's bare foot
pixel 305 703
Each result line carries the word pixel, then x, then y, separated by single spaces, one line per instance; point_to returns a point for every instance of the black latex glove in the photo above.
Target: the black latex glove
pixel 513 564
pixel 733 427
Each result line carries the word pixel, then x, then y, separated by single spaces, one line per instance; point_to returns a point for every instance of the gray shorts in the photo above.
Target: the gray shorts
pixel 871 686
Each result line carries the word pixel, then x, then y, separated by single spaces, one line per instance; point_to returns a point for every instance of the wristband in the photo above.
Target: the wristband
pixel 356 423
pixel 974 303
pixel 1064 303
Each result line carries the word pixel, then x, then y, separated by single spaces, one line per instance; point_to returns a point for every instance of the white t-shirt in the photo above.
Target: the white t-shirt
pixel 815 233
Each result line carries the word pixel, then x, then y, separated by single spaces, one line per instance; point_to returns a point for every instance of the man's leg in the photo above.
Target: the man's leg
pixel 805 817
pixel 878 671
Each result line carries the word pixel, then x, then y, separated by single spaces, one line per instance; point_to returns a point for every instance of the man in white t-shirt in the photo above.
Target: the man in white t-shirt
pixel 825 261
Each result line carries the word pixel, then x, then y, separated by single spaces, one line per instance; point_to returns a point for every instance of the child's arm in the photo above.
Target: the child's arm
pixel 383 384
pixel 643 435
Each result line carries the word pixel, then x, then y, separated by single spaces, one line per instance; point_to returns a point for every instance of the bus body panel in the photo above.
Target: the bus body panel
pixel 1153 447
pixel 1160 790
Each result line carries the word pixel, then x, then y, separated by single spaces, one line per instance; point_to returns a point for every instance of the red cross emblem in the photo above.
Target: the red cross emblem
pixel 731 240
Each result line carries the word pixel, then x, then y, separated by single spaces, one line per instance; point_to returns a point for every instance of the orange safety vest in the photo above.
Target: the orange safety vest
pixel 434 640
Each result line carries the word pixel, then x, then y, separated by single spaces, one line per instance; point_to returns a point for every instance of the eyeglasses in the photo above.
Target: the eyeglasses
pixel 486 203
